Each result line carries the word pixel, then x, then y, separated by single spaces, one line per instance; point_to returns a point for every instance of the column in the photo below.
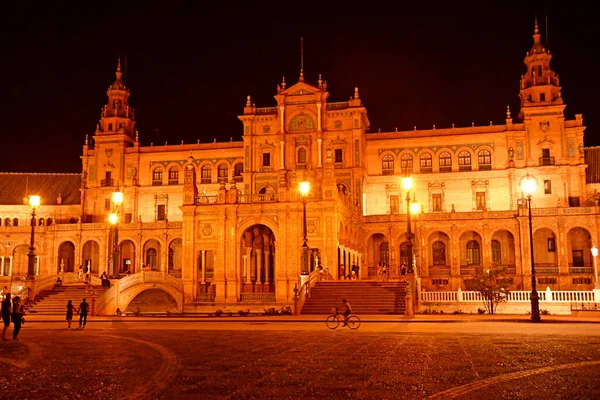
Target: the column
pixel 248 260
pixel 282 118
pixel 203 255
pixel 319 151
pixel 266 263
pixel 282 150
pixel 319 105
pixel 259 264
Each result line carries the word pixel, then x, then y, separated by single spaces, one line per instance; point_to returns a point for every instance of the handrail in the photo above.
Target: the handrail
pixel 105 298
pixel 304 292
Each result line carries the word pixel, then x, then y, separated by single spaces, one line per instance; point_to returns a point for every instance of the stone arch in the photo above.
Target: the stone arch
pixel 66 257
pixel 503 251
pixel 545 251
pixel 223 168
pixel 90 256
pixel 129 294
pixel 127 257
pixel 258 261
pixel 439 250
pixel 471 249
pixel 579 254
pixel 152 254
pixel 377 252
pixel 157 173
pixel 175 258
pixel 205 172
pixel 302 121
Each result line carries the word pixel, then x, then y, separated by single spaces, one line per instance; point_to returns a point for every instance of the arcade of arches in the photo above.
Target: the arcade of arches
pixel 258 260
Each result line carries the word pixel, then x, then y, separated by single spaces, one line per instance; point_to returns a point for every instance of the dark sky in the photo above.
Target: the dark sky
pixel 190 67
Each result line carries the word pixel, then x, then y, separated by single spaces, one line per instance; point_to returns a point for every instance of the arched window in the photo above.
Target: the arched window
pixel 49 222
pixel 387 165
pixel 439 253
pixel 7 222
pixel 404 253
pixel 302 156
pixel 406 164
pixel 205 174
pixel 41 221
pixel 174 176
pixel 484 159
pixel 237 172
pixel 151 255
pixel 157 176
pixel 384 253
pixel 464 161
pixel 445 162
pixel 496 252
pixel 15 221
pixel 223 171
pixel 473 253
pixel 426 163
pixel 301 122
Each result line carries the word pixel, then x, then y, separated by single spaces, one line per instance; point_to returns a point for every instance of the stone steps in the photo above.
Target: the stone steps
pixel 364 297
pixel 54 301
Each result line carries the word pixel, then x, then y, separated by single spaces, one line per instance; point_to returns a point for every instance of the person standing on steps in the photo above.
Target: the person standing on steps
pixel 83 312
pixel 17 316
pixel 6 311
pixel 70 309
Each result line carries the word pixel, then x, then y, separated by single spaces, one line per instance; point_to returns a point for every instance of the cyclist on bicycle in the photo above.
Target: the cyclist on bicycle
pixel 347 311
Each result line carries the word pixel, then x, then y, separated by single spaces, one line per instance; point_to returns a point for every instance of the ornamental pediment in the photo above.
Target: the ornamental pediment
pixel 301 92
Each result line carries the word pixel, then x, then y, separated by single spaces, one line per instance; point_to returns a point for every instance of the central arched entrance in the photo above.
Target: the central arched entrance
pixel 66 257
pixel 258 264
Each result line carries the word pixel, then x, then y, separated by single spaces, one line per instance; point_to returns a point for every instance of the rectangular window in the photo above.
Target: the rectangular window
pixel 394 205
pixel 107 204
pixel 578 258
pixel 574 201
pixel 545 153
pixel 551 245
pixel 480 200
pixel 542 96
pixel 547 186
pixel 339 156
pixel 128 218
pixel 161 212
pixel 436 202
pixel 266 160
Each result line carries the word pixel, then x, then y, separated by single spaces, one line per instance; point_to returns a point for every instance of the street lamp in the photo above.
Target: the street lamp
pixel 34 202
pixel 407 184
pixel 595 254
pixel 113 219
pixel 529 185
pixel 304 190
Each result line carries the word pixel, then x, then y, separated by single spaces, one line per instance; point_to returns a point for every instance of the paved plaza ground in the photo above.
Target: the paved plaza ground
pixel 299 358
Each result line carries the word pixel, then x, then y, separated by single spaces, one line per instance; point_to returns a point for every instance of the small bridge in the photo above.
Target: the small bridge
pixel 124 290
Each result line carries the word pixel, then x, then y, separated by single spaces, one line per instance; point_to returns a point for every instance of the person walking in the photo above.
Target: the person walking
pixel 70 309
pixel 6 311
pixel 17 317
pixel 83 312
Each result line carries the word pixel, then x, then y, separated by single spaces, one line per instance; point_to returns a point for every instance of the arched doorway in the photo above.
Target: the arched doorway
pixel 90 256
pixel 437 256
pixel 378 251
pixel 152 254
pixel 127 257
pixel 257 248
pixel 175 258
pixel 579 243
pixel 152 301
pixel 545 256
pixel 471 253
pixel 66 257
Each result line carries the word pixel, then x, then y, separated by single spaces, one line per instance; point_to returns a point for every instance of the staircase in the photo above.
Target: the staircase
pixel 54 301
pixel 365 297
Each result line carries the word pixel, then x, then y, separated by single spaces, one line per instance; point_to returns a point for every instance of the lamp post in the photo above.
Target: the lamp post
pixel 595 254
pixel 113 219
pixel 304 190
pixel 407 184
pixel 34 202
pixel 529 185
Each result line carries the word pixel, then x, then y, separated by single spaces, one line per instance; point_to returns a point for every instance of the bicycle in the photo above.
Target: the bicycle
pixel 334 320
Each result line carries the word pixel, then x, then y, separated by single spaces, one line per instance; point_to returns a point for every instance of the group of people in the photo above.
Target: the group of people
pixel 83 310
pixel 352 274
pixel 383 271
pixel 12 312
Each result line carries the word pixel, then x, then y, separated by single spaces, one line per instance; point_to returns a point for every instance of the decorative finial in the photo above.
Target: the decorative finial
pixel 320 81
pixel 283 83
pixel 301 75
pixel 472 123
pixel 198 141
pixel 231 139
pixel 137 135
pixel 182 142
pixel 86 139
pixel 166 143
pixel 415 127
pixel 379 130
pixel 396 129
pixel 248 102
pixel 215 140
pixel 356 96
pixel 325 85
pixel 536 30
pixel 433 126
pixel 453 124
pixel 278 88
pixel 119 64
pixel 508 116
pixel 491 123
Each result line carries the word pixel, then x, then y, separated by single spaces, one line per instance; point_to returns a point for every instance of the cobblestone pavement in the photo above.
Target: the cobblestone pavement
pixel 274 360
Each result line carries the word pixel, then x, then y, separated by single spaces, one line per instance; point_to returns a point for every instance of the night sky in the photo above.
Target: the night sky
pixel 190 68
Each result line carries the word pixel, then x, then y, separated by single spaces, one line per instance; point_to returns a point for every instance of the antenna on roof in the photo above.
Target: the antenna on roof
pixel 302 53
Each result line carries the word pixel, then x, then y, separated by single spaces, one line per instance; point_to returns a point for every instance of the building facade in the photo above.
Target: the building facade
pixel 224 222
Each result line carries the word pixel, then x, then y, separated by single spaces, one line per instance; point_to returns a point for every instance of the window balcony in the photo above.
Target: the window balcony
pixel 485 167
pixel 580 270
pixel 426 170
pixel 173 182
pixel 464 168
pixel 157 183
pixel 445 169
pixel 387 172
pixel 107 182
pixel 547 161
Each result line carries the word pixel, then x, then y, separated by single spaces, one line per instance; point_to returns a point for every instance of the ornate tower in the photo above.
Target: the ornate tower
pixel 539 85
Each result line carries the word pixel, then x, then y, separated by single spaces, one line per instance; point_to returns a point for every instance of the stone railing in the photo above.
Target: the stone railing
pixel 259 297
pixel 515 296
pixel 258 198
pixel 306 284
pixel 105 298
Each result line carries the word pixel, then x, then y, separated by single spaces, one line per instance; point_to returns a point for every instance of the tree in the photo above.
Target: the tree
pixel 492 286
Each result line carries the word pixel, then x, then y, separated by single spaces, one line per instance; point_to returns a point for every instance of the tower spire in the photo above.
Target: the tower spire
pixel 301 59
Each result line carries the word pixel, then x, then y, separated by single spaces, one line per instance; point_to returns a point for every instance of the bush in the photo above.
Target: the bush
pixel 244 313
pixel 544 312
pixel 218 313
pixel 481 311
